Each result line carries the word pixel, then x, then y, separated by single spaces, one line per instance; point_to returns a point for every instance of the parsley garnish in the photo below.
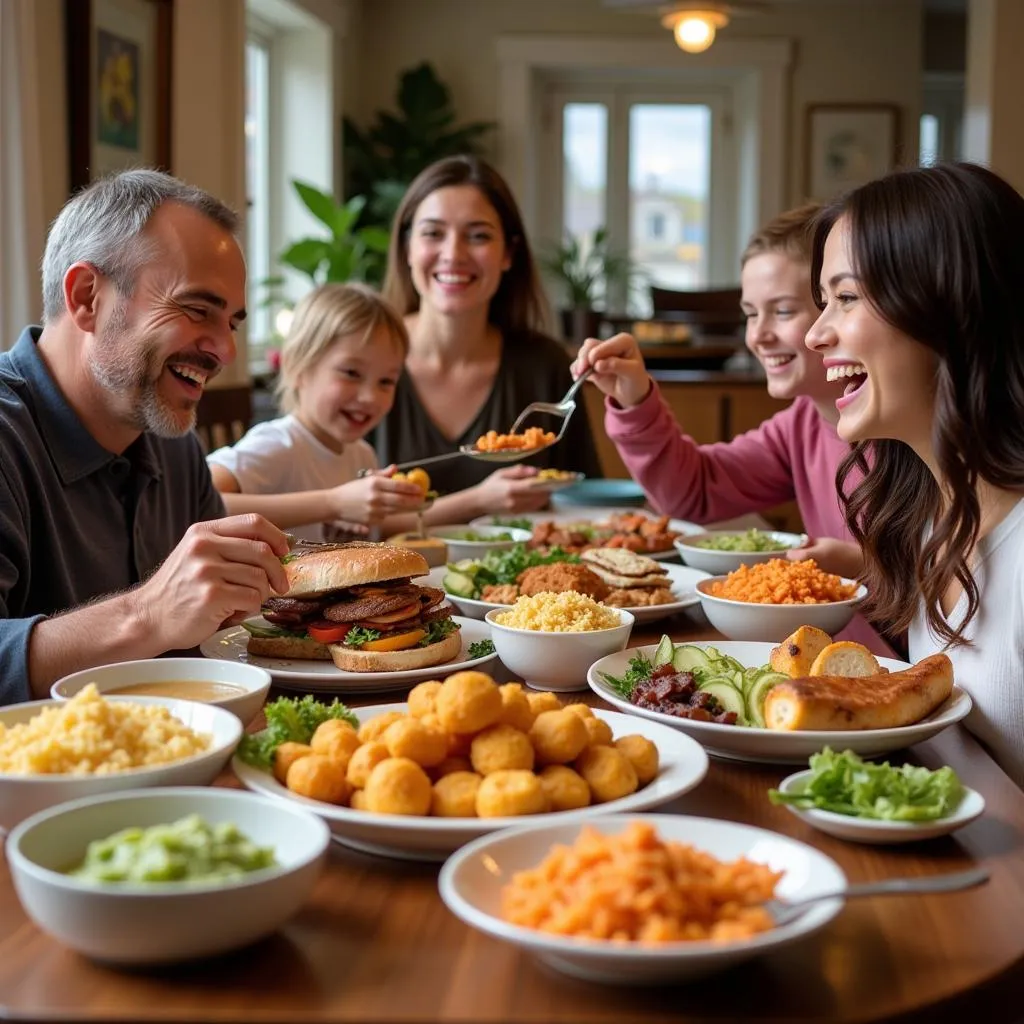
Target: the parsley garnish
pixel 481 648
pixel 640 668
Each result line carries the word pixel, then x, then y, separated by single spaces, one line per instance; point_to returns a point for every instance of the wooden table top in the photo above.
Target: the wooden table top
pixel 375 943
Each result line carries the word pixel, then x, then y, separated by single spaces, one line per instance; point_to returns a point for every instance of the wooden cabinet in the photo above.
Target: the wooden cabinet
pixel 710 407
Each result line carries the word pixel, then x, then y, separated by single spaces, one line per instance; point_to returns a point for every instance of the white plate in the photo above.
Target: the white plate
pixel 598 515
pixel 771 746
pixel 717 562
pixel 472 880
pixel 682 578
pixel 326 677
pixel 557 484
pixel 870 830
pixel 682 766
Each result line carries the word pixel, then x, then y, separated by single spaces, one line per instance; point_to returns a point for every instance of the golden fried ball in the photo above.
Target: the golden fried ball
pixel 608 772
pixel 501 748
pixel 515 707
pixel 374 728
pixel 455 795
pixel 422 699
pixel 565 789
pixel 599 732
pixel 411 738
pixel 543 700
pixel 363 761
pixel 335 739
pixel 510 793
pixel 468 702
pixel 641 753
pixel 357 801
pixel 285 756
pixel 398 786
pixel 452 764
pixel 318 778
pixel 583 710
pixel 558 736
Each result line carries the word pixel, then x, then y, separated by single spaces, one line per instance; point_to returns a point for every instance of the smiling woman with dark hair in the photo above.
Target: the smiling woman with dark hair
pixel 461 272
pixel 919 277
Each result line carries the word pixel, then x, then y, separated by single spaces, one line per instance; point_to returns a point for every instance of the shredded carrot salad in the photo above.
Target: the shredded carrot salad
pixel 780 581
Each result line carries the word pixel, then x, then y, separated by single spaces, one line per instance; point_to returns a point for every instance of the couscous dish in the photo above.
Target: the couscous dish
pixel 567 612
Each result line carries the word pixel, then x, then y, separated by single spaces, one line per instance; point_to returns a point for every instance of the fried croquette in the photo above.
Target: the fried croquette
pixel 318 778
pixel 608 772
pixel 642 755
pixel 335 739
pixel 599 732
pixel 285 756
pixel 565 789
pixel 543 700
pixel 515 707
pixel 455 794
pixel 558 736
pixel 373 728
pixel 422 699
pixel 501 748
pixel 364 760
pixel 638 597
pixel 468 702
pixel 509 794
pixel 560 577
pixel 398 786
pixel 417 740
pixel 449 765
pixel 583 710
pixel 357 801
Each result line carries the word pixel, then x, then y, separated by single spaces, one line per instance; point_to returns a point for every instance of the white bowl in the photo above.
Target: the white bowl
pixel 556 661
pixel 23 795
pixel 870 830
pixel 719 562
pixel 745 620
pixel 682 764
pixel 163 922
pixel 253 681
pixel 777 746
pixel 459 549
pixel 472 879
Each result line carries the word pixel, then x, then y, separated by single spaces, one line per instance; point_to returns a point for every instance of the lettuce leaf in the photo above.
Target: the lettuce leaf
pixel 289 719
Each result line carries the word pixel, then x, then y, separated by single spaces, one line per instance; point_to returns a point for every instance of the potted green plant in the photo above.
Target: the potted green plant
pixel 587 273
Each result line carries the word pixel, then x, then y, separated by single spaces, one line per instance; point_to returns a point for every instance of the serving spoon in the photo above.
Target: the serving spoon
pixel 784 911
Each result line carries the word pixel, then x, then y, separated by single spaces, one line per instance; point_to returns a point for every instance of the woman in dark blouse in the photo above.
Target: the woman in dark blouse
pixel 461 273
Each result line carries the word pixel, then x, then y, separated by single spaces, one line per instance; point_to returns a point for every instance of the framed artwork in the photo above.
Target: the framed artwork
pixel 848 144
pixel 118 86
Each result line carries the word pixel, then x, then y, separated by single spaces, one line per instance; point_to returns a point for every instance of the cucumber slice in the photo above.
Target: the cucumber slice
pixel 688 658
pixel 665 651
pixel 727 695
pixel 460 584
pixel 756 694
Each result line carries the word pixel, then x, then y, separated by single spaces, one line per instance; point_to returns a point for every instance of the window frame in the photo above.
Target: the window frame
pixel 260 327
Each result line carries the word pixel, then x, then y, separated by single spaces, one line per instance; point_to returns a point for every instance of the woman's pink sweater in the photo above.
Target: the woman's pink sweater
pixel 795 454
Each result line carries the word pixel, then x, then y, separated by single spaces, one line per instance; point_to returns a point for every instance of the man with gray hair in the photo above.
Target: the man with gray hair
pixel 113 544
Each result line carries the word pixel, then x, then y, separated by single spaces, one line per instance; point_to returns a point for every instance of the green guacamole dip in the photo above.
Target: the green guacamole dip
pixel 188 850
pixel 751 540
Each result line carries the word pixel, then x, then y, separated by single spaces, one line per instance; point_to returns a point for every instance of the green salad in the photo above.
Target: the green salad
pixel 845 784
pixel 468 577
pixel 749 540
pixel 289 719
pixel 472 535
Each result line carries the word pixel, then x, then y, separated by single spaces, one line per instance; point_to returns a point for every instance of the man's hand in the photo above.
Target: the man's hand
pixel 619 369
pixel 220 573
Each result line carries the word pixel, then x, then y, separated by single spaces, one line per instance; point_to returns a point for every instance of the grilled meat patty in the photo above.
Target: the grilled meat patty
pixel 358 604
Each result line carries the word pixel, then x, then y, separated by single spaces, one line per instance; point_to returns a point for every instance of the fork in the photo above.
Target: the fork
pixel 564 409
pixel 785 911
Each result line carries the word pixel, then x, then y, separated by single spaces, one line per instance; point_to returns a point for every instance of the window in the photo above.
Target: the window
pixel 941 124
pixel 257 184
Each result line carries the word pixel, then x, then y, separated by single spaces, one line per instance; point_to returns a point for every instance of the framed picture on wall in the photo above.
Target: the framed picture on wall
pixel 118 86
pixel 848 144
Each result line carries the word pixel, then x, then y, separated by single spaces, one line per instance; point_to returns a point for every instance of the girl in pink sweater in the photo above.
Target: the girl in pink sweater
pixel 795 454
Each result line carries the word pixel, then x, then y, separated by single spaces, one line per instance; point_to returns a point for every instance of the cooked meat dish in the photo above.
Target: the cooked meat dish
pixel 639 597
pixel 562 576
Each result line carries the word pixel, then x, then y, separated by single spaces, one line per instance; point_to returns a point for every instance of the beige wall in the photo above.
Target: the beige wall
pixel 868 51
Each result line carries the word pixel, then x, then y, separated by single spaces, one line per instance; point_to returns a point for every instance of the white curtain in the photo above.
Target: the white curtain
pixel 22 211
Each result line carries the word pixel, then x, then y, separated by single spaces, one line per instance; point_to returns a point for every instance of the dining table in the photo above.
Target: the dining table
pixel 374 944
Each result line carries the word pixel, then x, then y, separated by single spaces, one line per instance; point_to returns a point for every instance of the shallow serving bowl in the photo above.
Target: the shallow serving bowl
pixel 719 562
pixel 472 879
pixel 459 549
pixel 23 795
pixel 880 832
pixel 253 681
pixel 556 661
pixel 744 620
pixel 163 922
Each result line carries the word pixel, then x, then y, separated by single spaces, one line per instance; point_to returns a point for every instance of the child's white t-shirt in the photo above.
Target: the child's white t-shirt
pixel 282 457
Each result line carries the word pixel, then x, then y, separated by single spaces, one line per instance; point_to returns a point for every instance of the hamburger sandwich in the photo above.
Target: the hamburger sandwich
pixel 355 604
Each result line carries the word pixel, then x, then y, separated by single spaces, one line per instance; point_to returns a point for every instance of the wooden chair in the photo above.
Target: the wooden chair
pixel 712 312
pixel 223 416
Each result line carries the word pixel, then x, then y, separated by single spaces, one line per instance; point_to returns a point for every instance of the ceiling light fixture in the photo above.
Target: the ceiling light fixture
pixel 694 28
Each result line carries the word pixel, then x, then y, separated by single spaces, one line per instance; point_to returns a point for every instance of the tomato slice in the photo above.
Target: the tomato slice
pixel 328 632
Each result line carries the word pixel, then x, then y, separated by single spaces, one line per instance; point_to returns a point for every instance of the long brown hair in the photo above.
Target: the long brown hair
pixel 519 304
pixel 939 254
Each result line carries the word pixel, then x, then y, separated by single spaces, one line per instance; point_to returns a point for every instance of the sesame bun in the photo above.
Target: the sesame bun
pixel 318 569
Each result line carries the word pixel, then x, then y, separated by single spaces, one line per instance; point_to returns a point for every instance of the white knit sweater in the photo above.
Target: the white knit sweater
pixel 992 669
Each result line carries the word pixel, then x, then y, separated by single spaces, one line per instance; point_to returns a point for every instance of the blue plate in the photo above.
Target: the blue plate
pixel 601 493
